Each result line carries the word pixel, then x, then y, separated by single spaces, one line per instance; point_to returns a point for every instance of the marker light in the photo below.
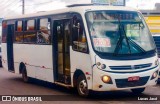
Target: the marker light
pixel 98 63
pixel 103 66
pixel 106 79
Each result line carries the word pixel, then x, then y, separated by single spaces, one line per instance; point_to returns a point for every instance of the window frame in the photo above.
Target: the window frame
pixel 39 22
pixel 72 32
pixel 17 32
pixel 25 22
pixel 26 25
pixel 38 29
pixel 16 27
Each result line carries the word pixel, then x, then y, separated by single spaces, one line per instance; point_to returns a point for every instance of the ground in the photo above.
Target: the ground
pixel 12 84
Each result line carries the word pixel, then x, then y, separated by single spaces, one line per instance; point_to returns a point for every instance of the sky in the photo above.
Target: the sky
pixel 14 7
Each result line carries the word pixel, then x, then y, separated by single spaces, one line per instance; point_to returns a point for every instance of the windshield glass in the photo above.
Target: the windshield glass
pixel 119 32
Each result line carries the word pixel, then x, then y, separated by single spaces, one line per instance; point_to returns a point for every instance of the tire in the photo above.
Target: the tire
pixel 24 75
pixel 82 86
pixel 138 90
pixel 0 63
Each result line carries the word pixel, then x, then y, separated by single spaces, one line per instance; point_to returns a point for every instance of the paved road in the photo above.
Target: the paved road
pixel 12 84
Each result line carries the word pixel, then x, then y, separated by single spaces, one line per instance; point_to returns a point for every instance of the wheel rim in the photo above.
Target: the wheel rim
pixel 83 87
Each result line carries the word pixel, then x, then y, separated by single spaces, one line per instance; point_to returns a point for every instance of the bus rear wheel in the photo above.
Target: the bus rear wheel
pixel 82 86
pixel 24 75
pixel 138 90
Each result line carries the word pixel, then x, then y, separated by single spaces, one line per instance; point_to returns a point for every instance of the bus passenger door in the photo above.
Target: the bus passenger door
pixel 61 51
pixel 10 34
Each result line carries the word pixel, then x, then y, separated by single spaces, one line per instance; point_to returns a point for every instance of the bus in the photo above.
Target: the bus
pixel 88 47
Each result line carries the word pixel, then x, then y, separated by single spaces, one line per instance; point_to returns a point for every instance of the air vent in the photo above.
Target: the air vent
pixel 130 67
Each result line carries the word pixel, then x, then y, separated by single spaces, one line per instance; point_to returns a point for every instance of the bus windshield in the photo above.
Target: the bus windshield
pixel 119 32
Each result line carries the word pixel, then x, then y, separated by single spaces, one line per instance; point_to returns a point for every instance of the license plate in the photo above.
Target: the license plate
pixel 135 78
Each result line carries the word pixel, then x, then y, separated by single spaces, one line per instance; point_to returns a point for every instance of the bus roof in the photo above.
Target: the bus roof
pixel 74 8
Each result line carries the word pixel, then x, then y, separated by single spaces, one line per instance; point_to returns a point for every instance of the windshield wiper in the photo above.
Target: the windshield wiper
pixel 119 44
pixel 127 40
pixel 122 36
pixel 136 45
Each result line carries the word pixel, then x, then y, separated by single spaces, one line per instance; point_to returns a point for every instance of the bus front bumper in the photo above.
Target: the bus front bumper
pixel 119 81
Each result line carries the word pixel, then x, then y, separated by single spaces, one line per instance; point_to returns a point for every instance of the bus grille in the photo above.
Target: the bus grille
pixel 123 83
pixel 157 42
pixel 129 67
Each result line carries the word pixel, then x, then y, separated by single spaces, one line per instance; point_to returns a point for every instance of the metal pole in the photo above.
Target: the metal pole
pixel 124 2
pixel 23 7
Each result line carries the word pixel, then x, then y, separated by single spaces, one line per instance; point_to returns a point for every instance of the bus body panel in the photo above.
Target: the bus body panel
pixel 38 63
pixel 4 56
pixel 81 61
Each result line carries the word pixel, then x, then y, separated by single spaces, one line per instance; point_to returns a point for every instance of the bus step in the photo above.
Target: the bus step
pixel 63 84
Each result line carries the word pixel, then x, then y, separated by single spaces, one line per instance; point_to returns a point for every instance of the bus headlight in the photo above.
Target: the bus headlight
pixel 106 79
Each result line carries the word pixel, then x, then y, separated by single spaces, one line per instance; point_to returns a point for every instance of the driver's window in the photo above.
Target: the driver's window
pixel 79 37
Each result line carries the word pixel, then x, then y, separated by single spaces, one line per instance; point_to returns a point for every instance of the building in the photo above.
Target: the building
pixel 152 18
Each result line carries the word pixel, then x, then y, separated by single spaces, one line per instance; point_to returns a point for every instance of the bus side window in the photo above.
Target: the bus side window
pixel 30 32
pixel 44 35
pixel 4 31
pixel 18 32
pixel 79 41
pixel 30 25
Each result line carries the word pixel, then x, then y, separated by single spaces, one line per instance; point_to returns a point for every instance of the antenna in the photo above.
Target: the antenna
pixel 23 7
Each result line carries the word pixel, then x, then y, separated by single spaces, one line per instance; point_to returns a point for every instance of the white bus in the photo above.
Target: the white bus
pixel 90 47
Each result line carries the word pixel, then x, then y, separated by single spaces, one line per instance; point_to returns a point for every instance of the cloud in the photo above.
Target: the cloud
pixel 142 4
pixel 55 4
pixel 9 7
pixel 33 6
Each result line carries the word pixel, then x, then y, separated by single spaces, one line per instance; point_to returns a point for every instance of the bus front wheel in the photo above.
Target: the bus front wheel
pixel 138 90
pixel 24 75
pixel 82 86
